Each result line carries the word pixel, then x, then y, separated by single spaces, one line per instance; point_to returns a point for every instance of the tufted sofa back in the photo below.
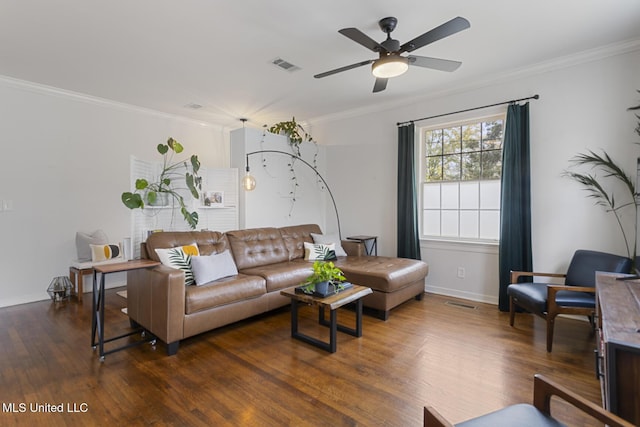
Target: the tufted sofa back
pixel 294 237
pixel 257 247
pixel 208 242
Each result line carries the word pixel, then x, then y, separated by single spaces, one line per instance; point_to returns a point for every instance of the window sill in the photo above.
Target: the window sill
pixel 460 245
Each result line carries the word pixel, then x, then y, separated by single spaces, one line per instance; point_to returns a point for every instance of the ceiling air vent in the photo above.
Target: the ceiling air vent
pixel 193 106
pixel 285 65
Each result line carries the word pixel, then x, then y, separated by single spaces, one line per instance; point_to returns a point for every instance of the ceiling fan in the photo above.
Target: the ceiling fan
pixel 390 62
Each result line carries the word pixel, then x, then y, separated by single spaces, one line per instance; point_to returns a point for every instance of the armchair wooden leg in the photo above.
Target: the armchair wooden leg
pixel 512 311
pixel 551 320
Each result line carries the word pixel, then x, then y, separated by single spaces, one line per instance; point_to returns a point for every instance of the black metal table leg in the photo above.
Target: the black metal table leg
pixel 356 332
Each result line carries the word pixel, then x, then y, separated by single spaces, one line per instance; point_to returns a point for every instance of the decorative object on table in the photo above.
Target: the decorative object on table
pixel 249 182
pixel 167 188
pixel 617 199
pixel 326 279
pixel 127 249
pixel 60 288
pixel 213 199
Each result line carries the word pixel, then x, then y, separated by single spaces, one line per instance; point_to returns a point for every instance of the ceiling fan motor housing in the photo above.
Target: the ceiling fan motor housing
pixel 388 24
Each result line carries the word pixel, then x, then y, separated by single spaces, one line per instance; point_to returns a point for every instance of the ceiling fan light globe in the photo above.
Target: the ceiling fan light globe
pixel 390 66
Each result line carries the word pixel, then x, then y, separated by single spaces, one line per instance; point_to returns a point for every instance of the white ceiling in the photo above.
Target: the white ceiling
pixel 165 54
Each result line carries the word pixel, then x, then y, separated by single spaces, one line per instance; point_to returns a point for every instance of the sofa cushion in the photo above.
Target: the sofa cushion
pixel 383 274
pixel 105 252
pixel 319 252
pixel 180 259
pixel 212 267
pixel 257 247
pixel 282 275
pixel 327 239
pixel 84 240
pixel 295 236
pixel 222 292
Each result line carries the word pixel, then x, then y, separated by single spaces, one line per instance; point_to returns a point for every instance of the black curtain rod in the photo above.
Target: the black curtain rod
pixel 468 109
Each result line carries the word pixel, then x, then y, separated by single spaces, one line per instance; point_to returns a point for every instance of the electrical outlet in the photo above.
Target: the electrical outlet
pixel 461 272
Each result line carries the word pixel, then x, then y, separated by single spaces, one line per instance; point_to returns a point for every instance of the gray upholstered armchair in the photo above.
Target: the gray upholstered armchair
pixel 576 296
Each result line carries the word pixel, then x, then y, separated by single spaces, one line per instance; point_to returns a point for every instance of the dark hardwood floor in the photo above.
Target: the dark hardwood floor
pixel 463 361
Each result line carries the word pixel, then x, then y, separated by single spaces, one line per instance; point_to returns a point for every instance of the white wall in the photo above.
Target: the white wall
pixel 582 106
pixel 64 163
pixel 270 204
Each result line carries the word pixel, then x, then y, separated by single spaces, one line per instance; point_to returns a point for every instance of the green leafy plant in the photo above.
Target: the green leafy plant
pixel 294 131
pixel 323 271
pixel 169 182
pixel 604 168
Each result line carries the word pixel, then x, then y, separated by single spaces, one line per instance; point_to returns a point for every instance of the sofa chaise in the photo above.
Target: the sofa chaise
pixel 267 261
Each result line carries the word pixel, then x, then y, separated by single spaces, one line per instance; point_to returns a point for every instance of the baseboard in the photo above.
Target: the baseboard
pixel 456 293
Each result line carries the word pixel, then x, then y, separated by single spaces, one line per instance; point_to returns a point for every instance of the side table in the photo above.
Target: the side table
pixel 370 243
pixel 97 322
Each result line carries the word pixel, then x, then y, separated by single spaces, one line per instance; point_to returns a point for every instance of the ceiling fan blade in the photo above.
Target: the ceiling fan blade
pixel 445 30
pixel 361 38
pixel 345 68
pixel 380 85
pixel 434 63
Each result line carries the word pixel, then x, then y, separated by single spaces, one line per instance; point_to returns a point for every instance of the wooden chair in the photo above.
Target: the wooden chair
pixel 538 414
pixel 576 296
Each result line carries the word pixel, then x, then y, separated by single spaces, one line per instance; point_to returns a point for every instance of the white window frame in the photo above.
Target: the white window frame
pixel 497 115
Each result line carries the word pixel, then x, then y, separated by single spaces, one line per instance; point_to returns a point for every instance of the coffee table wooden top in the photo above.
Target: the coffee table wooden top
pixel 332 301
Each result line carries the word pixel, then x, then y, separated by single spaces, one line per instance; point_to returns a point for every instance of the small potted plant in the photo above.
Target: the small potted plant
pixel 166 187
pixel 324 277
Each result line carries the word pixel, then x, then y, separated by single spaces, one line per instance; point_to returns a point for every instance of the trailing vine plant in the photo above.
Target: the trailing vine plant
pixel 296 135
pixel 603 167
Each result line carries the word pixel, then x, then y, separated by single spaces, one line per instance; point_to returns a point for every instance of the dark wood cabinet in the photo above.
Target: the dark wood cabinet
pixel 618 352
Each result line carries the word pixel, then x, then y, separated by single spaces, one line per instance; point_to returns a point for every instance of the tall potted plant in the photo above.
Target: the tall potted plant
pixel 619 198
pixel 167 187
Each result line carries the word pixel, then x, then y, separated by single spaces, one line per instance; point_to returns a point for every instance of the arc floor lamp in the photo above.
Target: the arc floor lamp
pixel 249 182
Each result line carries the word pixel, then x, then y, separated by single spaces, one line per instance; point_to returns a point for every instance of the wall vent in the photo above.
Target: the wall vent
pixel 285 65
pixel 461 305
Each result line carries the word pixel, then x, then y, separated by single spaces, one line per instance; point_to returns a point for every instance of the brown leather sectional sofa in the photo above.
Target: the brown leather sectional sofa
pixel 268 260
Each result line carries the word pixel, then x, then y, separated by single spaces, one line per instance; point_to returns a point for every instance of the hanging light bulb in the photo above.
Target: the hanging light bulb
pixel 248 182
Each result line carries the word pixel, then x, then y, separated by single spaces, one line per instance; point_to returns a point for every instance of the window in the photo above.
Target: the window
pixel 461 168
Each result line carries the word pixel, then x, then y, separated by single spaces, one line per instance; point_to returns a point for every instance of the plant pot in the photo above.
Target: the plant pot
pixel 162 199
pixel 322 287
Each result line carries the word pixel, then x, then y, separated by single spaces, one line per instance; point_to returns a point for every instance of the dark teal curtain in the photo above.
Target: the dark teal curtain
pixel 408 234
pixel 515 204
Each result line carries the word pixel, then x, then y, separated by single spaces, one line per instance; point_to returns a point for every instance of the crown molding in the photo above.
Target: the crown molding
pixel 95 100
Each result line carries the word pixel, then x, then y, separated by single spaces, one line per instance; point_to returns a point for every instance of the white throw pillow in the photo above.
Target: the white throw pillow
pixel 326 239
pixel 319 252
pixel 180 258
pixel 212 267
pixel 83 240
